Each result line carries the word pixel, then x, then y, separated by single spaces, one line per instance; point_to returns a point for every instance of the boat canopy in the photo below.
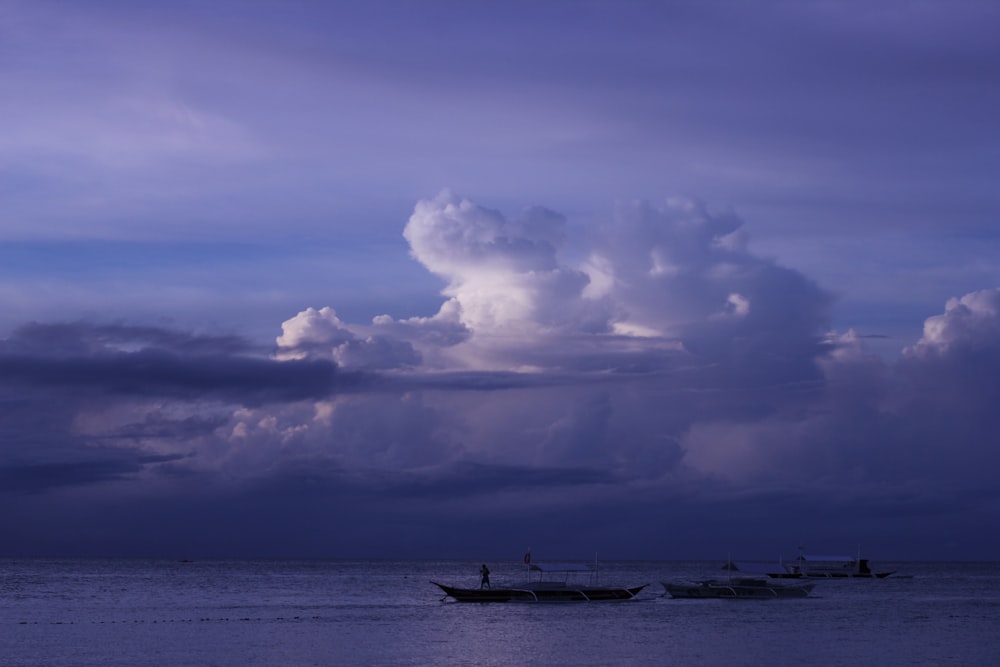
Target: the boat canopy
pixel 830 559
pixel 753 568
pixel 562 567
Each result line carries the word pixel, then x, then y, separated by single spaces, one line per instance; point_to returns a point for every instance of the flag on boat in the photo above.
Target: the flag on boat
pixel 527 557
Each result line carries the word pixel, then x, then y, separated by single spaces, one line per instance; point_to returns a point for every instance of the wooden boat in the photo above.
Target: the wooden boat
pixel 827 567
pixel 539 589
pixel 738 588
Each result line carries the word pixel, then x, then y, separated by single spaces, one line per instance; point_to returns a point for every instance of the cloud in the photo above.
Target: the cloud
pixel 658 283
pixel 320 334
pixel 877 432
pixel 40 477
pixel 89 404
pixel 504 276
pixel 667 367
pixel 185 368
pixel 668 308
pixel 686 273
pixel 969 324
pixel 954 367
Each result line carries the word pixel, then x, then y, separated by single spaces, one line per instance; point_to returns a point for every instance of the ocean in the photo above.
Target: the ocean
pixel 242 613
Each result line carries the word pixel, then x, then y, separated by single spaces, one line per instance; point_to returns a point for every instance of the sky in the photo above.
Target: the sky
pixel 454 279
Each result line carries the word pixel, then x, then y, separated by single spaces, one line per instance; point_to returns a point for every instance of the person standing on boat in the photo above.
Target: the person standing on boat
pixel 485 572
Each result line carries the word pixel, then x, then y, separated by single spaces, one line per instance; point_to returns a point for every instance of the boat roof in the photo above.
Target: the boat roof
pixel 753 568
pixel 562 567
pixel 835 559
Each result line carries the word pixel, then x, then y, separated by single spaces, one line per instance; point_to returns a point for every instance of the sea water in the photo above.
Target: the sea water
pixel 148 612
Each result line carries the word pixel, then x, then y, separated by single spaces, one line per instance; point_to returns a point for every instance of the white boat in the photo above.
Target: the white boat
pixel 827 567
pixel 738 588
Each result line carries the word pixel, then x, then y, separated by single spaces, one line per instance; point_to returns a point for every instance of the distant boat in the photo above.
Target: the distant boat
pixel 539 589
pixel 827 567
pixel 738 588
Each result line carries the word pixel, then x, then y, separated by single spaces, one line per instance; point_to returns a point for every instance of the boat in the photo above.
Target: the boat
pixel 738 588
pixel 827 567
pixel 548 582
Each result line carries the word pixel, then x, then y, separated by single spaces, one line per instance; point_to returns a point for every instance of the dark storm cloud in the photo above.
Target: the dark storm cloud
pixel 97 467
pixel 81 338
pixel 468 480
pixel 435 487
pixel 503 380
pixel 144 361
pixel 52 375
pixel 158 425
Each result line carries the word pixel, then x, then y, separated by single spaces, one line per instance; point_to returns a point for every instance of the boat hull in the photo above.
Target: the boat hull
pixel 827 567
pixel 745 589
pixel 828 575
pixel 541 594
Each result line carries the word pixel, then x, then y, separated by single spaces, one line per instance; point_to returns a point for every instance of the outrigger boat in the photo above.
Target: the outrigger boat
pixel 738 588
pixel 538 588
pixel 827 567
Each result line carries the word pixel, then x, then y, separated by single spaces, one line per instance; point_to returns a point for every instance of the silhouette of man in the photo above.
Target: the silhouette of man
pixel 485 572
